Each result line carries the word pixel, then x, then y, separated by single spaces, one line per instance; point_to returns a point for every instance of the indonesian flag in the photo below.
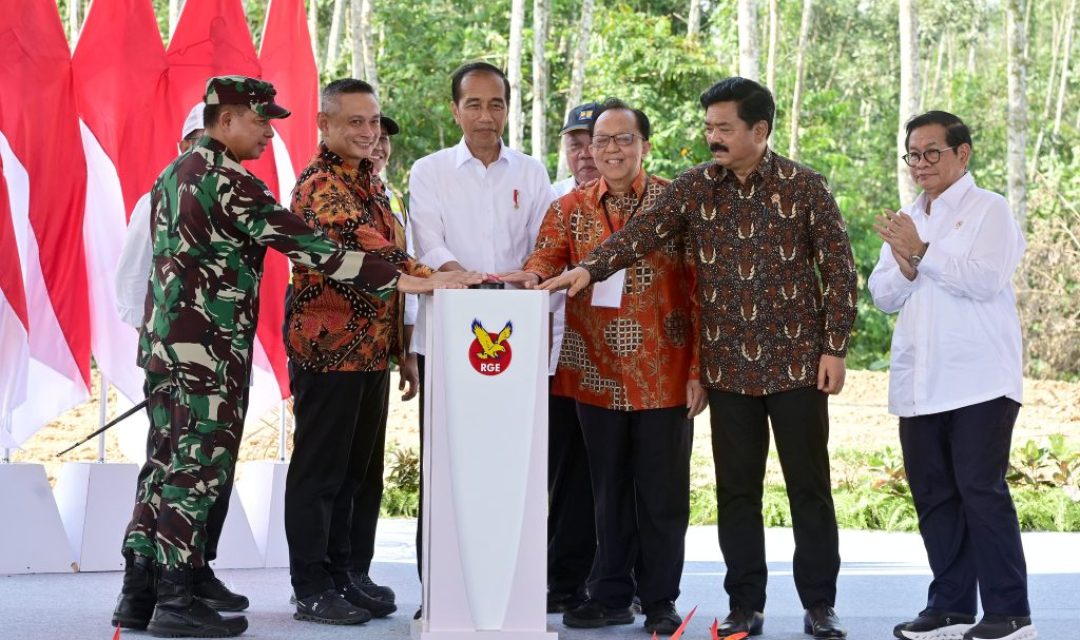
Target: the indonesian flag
pixel 120 76
pixel 45 174
pixel 212 39
pixel 288 62
pixel 14 343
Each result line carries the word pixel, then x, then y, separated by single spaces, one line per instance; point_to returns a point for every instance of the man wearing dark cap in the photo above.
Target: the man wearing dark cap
pixel 340 341
pixel 571 532
pixel 212 222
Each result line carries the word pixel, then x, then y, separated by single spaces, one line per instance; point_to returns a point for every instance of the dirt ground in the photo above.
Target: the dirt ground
pixel 859 420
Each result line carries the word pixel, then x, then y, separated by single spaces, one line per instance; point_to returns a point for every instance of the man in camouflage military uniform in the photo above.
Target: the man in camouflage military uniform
pixel 212 223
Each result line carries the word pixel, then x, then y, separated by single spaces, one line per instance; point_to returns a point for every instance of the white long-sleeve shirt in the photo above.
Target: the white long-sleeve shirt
pixel 412 304
pixel 133 268
pixel 957 340
pixel 484 218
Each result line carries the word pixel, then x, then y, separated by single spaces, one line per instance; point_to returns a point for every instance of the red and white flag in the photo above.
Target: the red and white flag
pixel 120 81
pixel 14 342
pixel 45 174
pixel 288 63
pixel 212 39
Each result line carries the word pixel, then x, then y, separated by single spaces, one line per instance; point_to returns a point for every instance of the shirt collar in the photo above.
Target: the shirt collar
pixel 463 155
pixel 951 197
pixel 331 158
pixel 216 146
pixel 637 187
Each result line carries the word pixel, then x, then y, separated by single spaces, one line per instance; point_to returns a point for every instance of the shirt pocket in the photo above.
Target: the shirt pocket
pixel 956 242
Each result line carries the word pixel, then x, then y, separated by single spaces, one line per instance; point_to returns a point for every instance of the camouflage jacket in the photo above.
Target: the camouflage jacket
pixel 212 222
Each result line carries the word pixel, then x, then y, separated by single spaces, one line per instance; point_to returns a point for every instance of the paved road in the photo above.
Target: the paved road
pixel 883 580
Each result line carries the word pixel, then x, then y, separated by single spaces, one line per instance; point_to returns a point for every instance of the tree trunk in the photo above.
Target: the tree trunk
pixel 800 62
pixel 174 14
pixel 1056 38
pixel 1069 21
pixel 334 37
pixel 748 39
pixel 1016 120
pixel 541 14
pixel 356 7
pixel 368 41
pixel 774 39
pixel 313 27
pixel 513 73
pixel 909 93
pixel 693 20
pixel 73 21
pixel 577 77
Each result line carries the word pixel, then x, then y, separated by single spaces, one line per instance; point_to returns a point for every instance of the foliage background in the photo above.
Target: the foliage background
pixel 639 51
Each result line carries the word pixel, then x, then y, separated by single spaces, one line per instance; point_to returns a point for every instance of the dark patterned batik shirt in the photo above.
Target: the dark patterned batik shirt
pixel 330 325
pixel 776 276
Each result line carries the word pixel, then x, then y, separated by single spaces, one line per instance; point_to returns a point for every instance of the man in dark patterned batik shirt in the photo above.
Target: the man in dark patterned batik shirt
pixel 212 222
pixel 777 285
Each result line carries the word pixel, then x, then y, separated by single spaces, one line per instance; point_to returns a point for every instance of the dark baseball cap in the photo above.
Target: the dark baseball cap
pixel 390 124
pixel 250 92
pixel 581 117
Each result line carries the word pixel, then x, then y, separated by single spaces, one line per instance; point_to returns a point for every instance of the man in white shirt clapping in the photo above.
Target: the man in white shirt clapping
pixel 956 381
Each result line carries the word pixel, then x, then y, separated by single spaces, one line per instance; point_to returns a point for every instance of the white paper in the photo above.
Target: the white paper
pixel 609 292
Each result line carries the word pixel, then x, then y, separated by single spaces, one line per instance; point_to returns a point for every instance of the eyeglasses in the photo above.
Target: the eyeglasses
pixel 931 155
pixel 621 139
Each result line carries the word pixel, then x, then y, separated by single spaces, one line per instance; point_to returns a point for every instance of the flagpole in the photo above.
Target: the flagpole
pixel 103 413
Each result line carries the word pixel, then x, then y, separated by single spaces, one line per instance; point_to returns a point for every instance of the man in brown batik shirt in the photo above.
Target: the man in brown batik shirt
pixel 777 288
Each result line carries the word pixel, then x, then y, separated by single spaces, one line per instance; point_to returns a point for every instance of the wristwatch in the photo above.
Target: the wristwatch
pixel 916 258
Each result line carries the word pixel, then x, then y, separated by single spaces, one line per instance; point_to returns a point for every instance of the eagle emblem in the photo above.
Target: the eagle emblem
pixel 491 348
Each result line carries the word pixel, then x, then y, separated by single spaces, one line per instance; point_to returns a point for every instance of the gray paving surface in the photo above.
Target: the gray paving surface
pixel 883 580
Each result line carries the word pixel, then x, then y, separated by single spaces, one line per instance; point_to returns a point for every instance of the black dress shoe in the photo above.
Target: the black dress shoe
pixel 138 595
pixel 821 621
pixel 742 621
pixel 592 615
pixel 933 625
pixel 662 617
pixel 330 607
pixel 355 594
pixel 377 591
pixel 179 614
pixel 214 593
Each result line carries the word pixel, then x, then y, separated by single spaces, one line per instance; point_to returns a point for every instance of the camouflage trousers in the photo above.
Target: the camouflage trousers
pixel 184 486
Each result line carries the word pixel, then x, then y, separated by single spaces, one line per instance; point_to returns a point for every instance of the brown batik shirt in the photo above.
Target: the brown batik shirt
pixel 776 276
pixel 331 326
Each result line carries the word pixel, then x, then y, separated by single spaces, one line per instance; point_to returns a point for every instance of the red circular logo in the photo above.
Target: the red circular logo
pixel 490 353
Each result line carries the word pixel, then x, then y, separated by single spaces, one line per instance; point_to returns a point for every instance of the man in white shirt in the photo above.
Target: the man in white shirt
pixel 956 381
pixel 571 530
pixel 477 205
pixel 132 278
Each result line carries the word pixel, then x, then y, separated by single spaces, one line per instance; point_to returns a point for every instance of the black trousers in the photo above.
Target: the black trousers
pixel 571 527
pixel 956 463
pixel 334 485
pixel 640 467
pixel 740 443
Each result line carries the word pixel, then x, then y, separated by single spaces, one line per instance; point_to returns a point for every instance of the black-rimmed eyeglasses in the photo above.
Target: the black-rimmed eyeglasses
pixel 932 156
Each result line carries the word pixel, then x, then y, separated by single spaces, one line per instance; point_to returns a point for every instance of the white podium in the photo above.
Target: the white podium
pixel 485 466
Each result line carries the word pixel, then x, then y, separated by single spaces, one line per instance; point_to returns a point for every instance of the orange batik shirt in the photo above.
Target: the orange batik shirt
pixel 331 326
pixel 637 356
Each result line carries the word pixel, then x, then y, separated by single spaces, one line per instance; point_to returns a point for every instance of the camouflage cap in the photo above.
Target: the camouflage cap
pixel 257 94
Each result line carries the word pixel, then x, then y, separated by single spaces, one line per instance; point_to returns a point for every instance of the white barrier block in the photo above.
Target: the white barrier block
pixel 32 538
pixel 95 502
pixel 261 484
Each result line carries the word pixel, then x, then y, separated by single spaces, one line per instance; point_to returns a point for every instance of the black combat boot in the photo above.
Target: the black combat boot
pixel 137 597
pixel 179 614
pixel 213 591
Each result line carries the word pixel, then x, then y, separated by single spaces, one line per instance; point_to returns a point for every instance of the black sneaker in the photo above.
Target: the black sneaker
pixel 742 621
pixel 330 607
pixel 993 627
pixel 592 615
pixel 821 621
pixel 355 594
pixel 933 625
pixel 377 591
pixel 662 617
pixel 214 593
